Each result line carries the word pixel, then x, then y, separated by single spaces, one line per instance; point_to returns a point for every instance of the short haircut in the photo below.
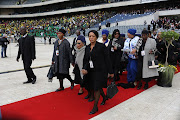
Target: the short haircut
pixel 145 32
pixel 95 32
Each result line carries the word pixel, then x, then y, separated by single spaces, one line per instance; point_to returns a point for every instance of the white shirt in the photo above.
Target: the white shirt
pixel 25 35
pixel 101 41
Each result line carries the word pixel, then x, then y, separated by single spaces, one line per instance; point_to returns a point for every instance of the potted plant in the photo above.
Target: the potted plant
pixel 166 72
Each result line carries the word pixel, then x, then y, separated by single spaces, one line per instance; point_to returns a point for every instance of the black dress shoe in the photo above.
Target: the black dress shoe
pixel 59 89
pixel 80 93
pixel 72 85
pixel 87 97
pixel 91 99
pixel 104 101
pixel 34 80
pixel 93 111
pixel 139 86
pixel 146 86
pixel 27 82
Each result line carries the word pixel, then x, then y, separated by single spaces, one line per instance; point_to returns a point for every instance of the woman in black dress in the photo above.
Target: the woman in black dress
pixel 96 66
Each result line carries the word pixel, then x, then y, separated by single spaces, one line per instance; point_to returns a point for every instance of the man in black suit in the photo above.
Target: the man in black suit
pixel 27 50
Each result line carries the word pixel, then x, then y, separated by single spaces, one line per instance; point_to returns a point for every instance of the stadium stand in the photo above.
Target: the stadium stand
pixel 8 2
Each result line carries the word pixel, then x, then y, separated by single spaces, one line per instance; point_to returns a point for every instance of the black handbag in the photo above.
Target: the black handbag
pixel 51 73
pixel 112 89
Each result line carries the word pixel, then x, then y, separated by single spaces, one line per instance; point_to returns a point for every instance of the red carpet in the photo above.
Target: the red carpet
pixel 64 105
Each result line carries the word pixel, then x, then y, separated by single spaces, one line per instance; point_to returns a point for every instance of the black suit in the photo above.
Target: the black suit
pixel 28 52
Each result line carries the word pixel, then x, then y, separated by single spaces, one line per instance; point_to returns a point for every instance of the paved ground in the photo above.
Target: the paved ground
pixel 156 103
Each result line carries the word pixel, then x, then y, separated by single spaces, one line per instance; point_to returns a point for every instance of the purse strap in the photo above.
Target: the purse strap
pixel 110 80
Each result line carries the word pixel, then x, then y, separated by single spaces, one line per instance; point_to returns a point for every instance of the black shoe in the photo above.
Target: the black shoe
pixel 93 111
pixel 80 93
pixel 34 80
pixel 87 97
pixel 123 85
pixel 131 85
pixel 59 89
pixel 104 101
pixel 91 99
pixel 146 86
pixel 27 82
pixel 72 85
pixel 139 86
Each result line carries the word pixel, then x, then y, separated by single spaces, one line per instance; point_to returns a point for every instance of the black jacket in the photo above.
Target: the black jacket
pixel 97 76
pixel 4 42
pixel 100 58
pixel 27 48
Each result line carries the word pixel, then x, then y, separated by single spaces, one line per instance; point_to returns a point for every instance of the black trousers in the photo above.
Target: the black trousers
pixel 28 69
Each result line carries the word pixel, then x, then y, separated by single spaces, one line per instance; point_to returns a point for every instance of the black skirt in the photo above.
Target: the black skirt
pixel 95 80
pixel 61 76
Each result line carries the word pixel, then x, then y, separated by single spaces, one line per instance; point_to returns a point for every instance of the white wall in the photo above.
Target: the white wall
pixel 169 12
pixel 140 20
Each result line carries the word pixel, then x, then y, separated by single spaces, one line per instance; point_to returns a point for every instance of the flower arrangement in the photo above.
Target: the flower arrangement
pixel 163 68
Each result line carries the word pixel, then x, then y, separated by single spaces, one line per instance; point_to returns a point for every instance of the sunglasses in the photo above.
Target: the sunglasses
pixel 78 43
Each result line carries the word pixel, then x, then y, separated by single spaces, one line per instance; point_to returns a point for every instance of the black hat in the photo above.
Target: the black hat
pixel 63 31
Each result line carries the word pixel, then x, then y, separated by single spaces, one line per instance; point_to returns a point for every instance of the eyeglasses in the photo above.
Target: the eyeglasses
pixel 78 43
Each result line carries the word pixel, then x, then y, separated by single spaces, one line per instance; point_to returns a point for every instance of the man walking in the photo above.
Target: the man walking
pixel 28 53
pixel 4 42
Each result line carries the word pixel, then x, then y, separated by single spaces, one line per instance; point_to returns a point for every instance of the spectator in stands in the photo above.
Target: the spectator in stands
pixel 129 46
pixel 62 57
pixel 79 56
pixel 115 53
pixel 4 43
pixel 146 51
pixel 96 68
pixel 105 40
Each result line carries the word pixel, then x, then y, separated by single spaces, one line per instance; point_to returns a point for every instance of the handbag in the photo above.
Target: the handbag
pixel 51 73
pixel 112 89
pixel 153 64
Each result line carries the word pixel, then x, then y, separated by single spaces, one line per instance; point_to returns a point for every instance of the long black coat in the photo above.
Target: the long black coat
pixel 173 53
pixel 115 56
pixel 27 48
pixel 97 77
pixel 161 50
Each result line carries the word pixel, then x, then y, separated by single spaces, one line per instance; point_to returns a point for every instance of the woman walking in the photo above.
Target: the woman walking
pixel 96 67
pixel 62 57
pixel 146 52
pixel 79 56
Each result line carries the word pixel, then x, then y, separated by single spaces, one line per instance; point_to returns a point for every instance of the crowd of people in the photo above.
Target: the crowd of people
pixel 166 23
pixel 101 60
pixel 49 26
